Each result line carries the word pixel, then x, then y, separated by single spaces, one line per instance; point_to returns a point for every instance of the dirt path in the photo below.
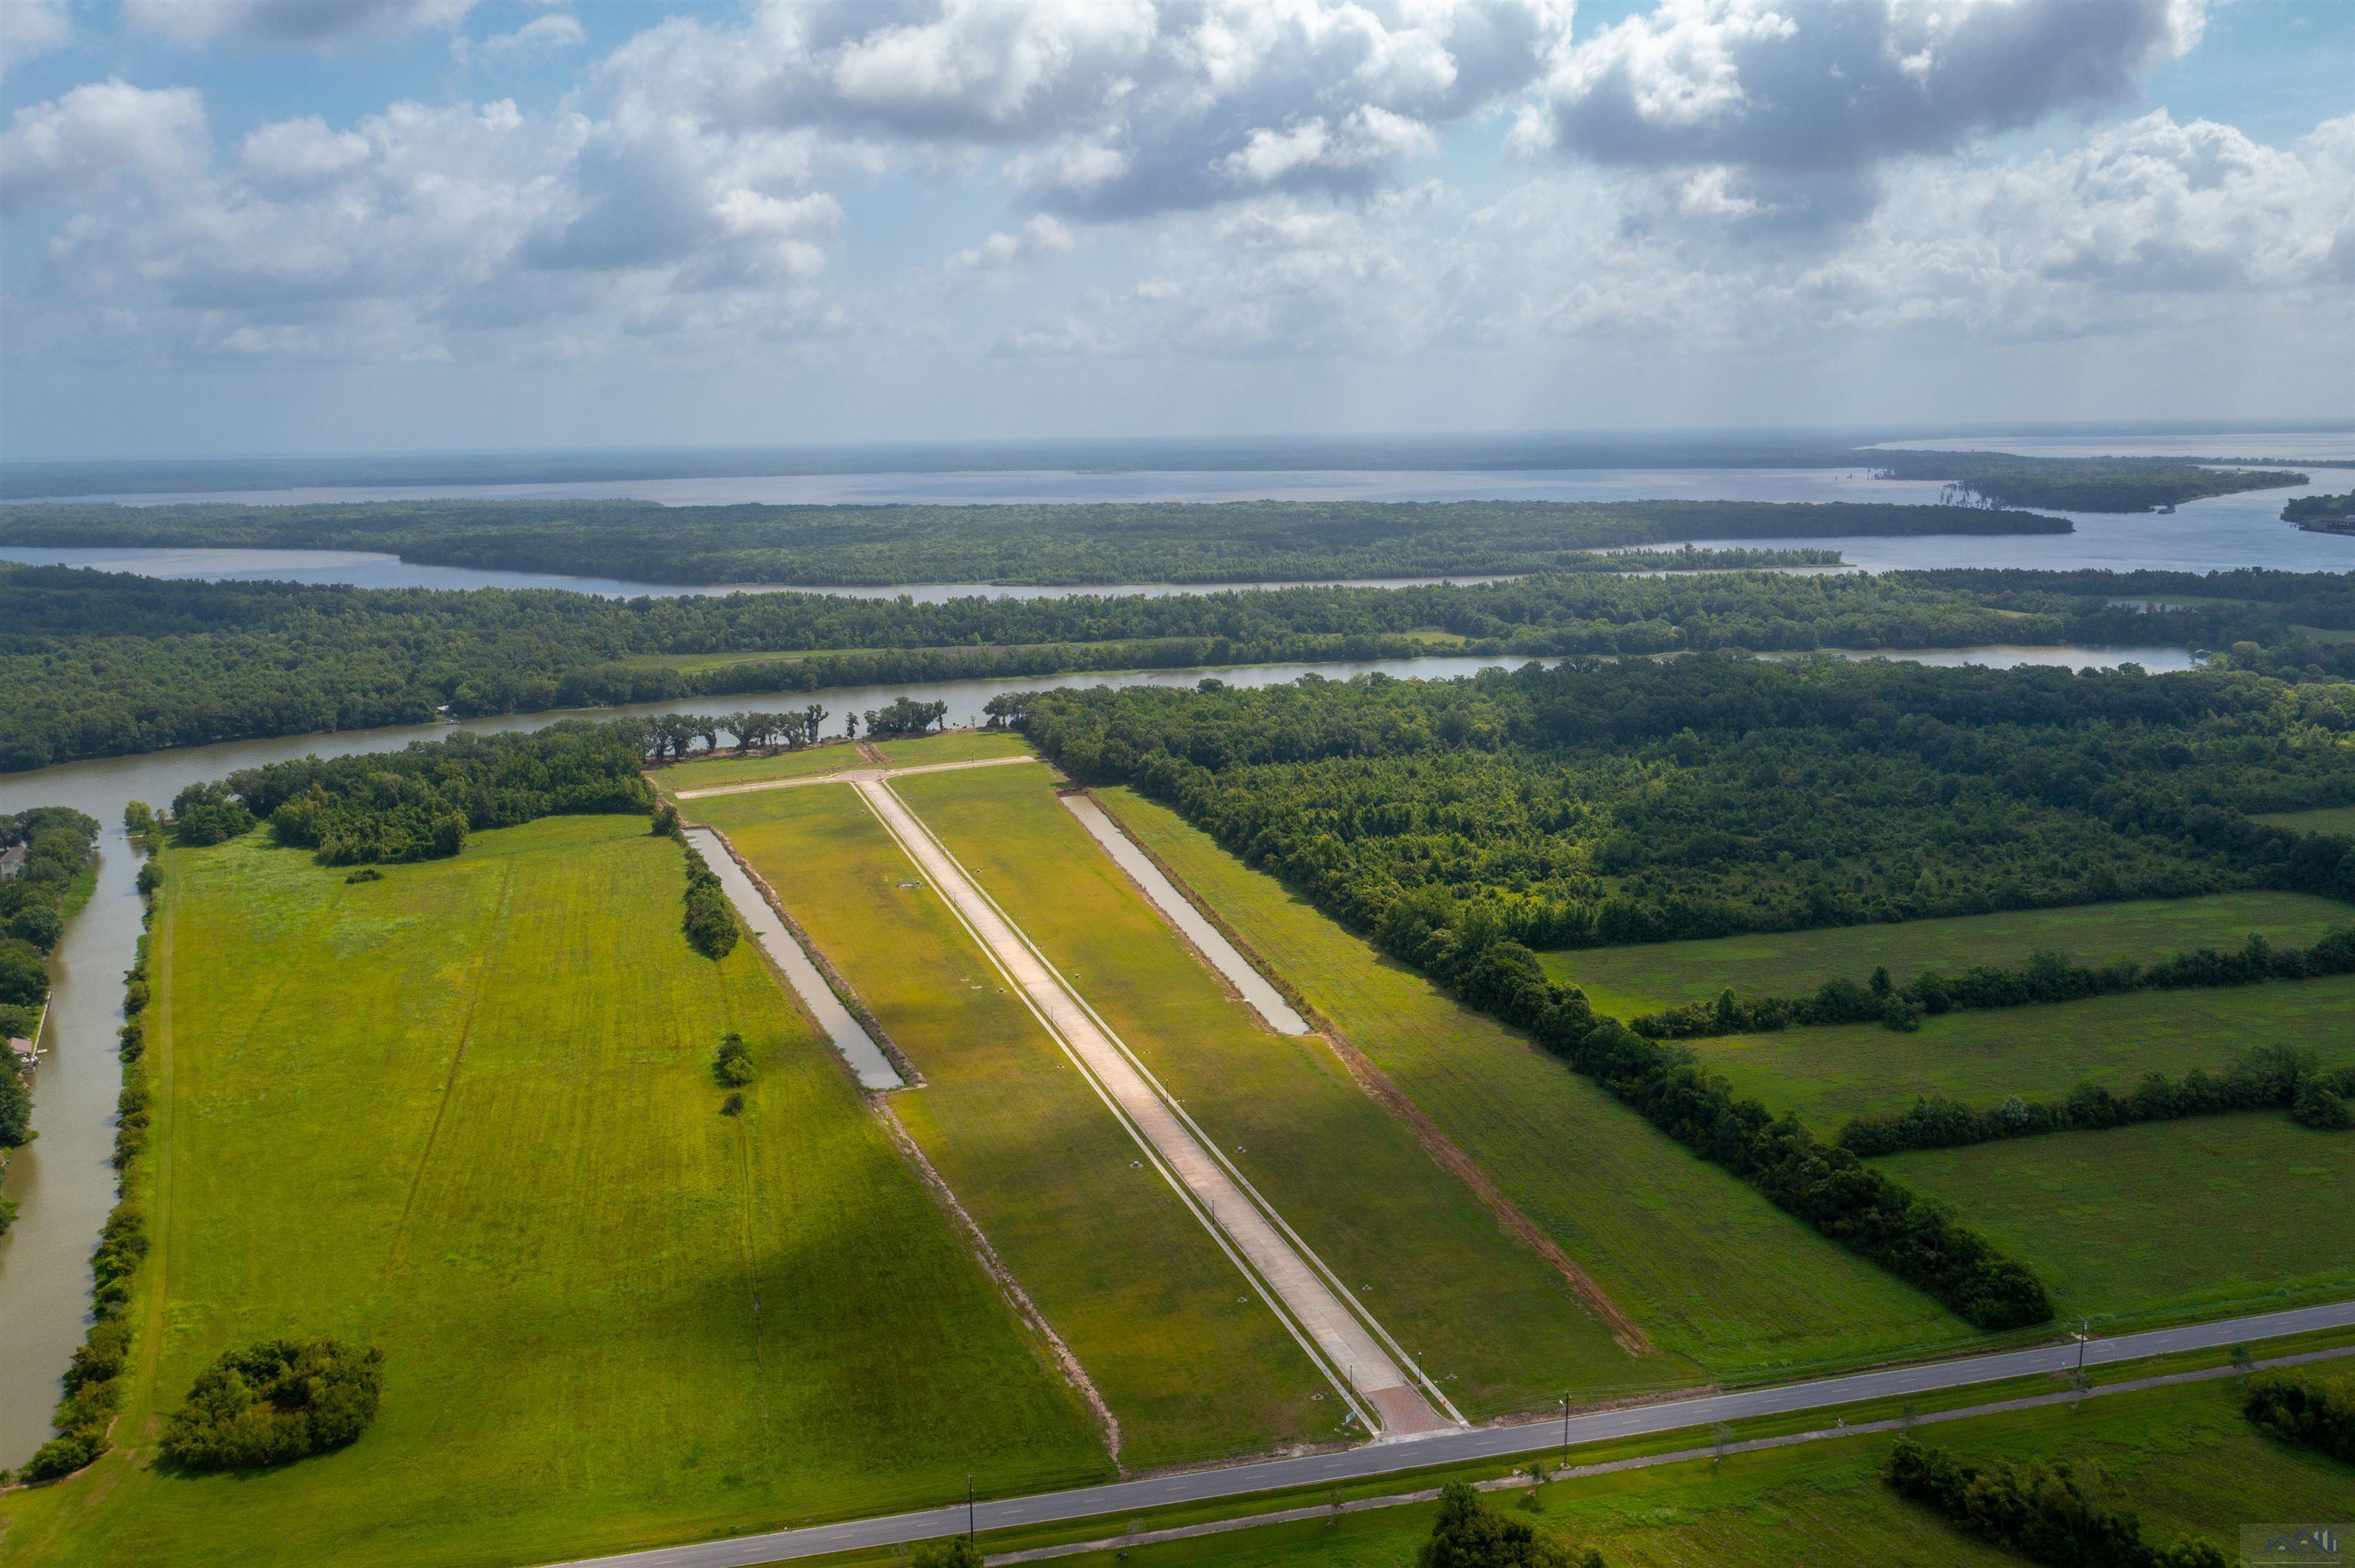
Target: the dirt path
pixel 1351 1346
pixel 848 776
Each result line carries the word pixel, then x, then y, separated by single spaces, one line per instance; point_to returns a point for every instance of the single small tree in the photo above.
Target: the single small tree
pixel 732 1062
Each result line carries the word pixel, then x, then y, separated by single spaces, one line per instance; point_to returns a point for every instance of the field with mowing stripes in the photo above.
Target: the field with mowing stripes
pixel 2211 1217
pixel 467 1115
pixel 709 772
pixel 1192 1364
pixel 1707 1267
pixel 1627 980
pixel 956 746
pixel 1831 1073
pixel 1481 1312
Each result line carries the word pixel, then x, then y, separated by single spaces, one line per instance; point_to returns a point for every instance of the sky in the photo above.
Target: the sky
pixel 233 226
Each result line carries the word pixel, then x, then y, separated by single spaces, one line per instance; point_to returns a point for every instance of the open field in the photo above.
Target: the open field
pixel 1192 1364
pixel 2340 819
pixel 1829 1073
pixel 2181 1457
pixel 1483 1313
pixel 467 1115
pixel 1624 982
pixel 1707 1267
pixel 2221 1214
pixel 707 772
pixel 955 746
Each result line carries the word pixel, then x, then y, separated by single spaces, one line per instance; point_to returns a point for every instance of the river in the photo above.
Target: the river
pixel 63 1181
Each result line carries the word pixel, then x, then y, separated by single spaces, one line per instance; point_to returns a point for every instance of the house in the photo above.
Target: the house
pixel 12 861
pixel 23 1050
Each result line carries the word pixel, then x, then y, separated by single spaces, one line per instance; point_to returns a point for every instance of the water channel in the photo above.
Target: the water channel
pixel 62 1179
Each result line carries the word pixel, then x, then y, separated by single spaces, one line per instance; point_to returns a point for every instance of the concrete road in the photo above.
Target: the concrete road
pixel 1369 1369
pixel 848 776
pixel 1458 1446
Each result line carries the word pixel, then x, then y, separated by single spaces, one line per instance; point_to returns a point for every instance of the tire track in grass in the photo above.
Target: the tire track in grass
pixel 480 967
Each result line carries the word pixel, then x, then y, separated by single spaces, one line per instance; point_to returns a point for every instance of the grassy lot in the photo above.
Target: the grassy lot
pixel 2340 819
pixel 955 746
pixel 1628 980
pixel 1708 1267
pixel 1828 1075
pixel 729 768
pixel 2183 1458
pixel 2221 1214
pixel 1193 1365
pixel 467 1115
pixel 1483 1313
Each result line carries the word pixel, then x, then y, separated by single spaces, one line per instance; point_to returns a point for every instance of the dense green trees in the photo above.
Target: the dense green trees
pixel 274 1402
pixel 2309 1407
pixel 2300 509
pixel 2039 1511
pixel 1470 1534
pixel 1135 542
pixel 2079 484
pixel 60 844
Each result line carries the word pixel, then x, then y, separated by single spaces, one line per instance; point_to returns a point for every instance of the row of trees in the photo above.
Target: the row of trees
pixel 2047 977
pixel 2039 1510
pixel 2265 1078
pixel 2078 485
pixel 60 845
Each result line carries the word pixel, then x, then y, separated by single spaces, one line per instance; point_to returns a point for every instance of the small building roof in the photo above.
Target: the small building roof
pixel 23 1047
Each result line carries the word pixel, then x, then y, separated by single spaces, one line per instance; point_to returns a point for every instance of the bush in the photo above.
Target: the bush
pixel 63 1455
pixel 956 1551
pixel 732 1063
pixel 275 1403
pixel 2307 1409
pixel 365 873
pixel 2320 1108
pixel 1469 1534
pixel 709 922
pixel 665 823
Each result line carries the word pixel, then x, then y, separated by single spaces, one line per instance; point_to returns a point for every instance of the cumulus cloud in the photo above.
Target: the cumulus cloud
pixel 29 27
pixel 1043 235
pixel 1789 108
pixel 536 39
pixel 296 24
pixel 1116 108
pixel 98 136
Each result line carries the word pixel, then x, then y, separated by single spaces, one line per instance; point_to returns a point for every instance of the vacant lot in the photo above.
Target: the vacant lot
pixel 956 746
pixel 2340 819
pixel 1483 1314
pixel 1831 1073
pixel 467 1115
pixel 2182 1458
pixel 1628 980
pixel 1193 1364
pixel 707 772
pixel 1711 1269
pixel 2223 1214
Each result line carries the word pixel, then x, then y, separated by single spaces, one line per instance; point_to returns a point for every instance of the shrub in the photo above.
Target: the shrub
pixel 956 1551
pixel 366 874
pixel 63 1455
pixel 1469 1534
pixel 665 821
pixel 274 1402
pixel 732 1105
pixel 709 923
pixel 2320 1108
pixel 2307 1409
pixel 732 1063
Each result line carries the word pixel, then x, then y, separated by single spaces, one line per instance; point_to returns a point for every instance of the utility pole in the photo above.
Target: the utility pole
pixel 1565 1427
pixel 968 1505
pixel 2085 1332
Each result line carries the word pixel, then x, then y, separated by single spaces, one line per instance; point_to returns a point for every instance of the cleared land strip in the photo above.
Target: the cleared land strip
pixel 1518 1482
pixel 1460 1447
pixel 1343 1341
pixel 850 776
pixel 1264 998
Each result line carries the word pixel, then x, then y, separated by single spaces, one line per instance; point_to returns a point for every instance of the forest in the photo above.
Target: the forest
pixel 2079 484
pixel 1178 542
pixel 215 662
pixel 1596 803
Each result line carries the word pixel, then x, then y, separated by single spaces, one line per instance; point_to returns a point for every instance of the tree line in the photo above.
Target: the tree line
pixel 2079 484
pixel 60 846
pixel 2047 977
pixel 1120 542
pixel 2039 1510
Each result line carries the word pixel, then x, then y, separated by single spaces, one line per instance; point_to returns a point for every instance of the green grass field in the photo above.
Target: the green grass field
pixel 1710 1268
pixel 2183 1458
pixel 1831 1074
pixel 1624 982
pixel 2340 819
pixel 955 746
pixel 707 772
pixel 1193 1365
pixel 1481 1313
pixel 467 1115
pixel 2216 1214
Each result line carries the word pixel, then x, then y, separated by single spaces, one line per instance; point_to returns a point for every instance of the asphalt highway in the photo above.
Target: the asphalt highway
pixel 1455 1446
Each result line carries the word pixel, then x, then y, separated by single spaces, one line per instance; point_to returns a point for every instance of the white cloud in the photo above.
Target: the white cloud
pixel 1043 235
pixel 29 27
pixel 300 23
pixel 83 143
pixel 536 39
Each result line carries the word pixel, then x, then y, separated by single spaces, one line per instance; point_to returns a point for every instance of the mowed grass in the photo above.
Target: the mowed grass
pixel 1711 1269
pixel 2218 1215
pixel 2338 819
pixel 1624 982
pixel 1481 1313
pixel 1192 1364
pixel 955 746
pixel 727 768
pixel 1828 1075
pixel 2183 1458
pixel 467 1115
